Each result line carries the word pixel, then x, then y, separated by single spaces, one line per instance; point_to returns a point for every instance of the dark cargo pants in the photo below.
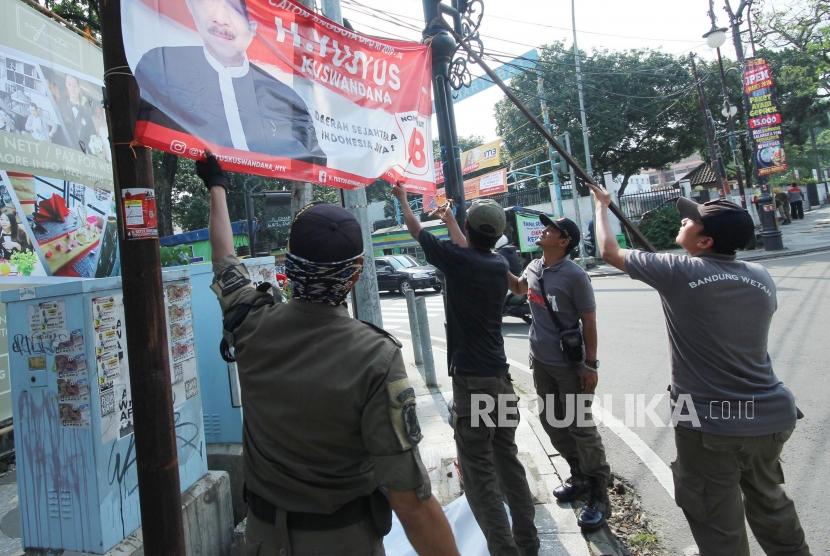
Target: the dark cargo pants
pixel 581 446
pixel 275 539
pixel 719 479
pixel 490 467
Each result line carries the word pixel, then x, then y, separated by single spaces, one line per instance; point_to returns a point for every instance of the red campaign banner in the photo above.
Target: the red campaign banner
pixel 277 90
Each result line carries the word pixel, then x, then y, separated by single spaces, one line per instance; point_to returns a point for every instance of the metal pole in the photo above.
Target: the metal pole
pixel 301 192
pixel 583 117
pixel 443 43
pixel 366 297
pixel 820 171
pixel 615 210
pixel 714 152
pixel 730 129
pixel 426 343
pixel 443 47
pixel 555 186
pixel 414 329
pixel 249 215
pixel 146 326
pixel 771 234
pixel 575 196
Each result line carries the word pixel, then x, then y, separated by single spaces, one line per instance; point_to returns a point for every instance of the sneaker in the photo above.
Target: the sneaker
pixel 594 514
pixel 572 489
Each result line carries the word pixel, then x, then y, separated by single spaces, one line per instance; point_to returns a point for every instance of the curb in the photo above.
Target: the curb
pixel 785 253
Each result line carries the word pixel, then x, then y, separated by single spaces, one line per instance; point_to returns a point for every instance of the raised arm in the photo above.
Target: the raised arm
pixel 409 218
pixel 448 217
pixel 221 234
pixel 609 249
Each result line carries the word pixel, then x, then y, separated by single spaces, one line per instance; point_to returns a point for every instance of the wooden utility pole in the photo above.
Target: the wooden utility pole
pixel 714 151
pixel 155 439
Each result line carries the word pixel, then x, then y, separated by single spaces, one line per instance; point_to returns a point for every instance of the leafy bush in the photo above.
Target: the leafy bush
pixel 660 226
pixel 175 256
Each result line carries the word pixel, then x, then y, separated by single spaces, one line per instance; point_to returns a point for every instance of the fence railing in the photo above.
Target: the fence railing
pixel 633 206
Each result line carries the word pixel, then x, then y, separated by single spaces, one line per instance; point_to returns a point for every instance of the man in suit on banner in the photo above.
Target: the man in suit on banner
pixel 214 93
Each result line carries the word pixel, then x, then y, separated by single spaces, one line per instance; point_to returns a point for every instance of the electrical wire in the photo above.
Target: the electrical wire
pixel 525 22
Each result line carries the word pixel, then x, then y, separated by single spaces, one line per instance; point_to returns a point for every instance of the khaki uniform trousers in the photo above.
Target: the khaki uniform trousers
pixel 581 446
pixel 275 539
pixel 491 469
pixel 720 479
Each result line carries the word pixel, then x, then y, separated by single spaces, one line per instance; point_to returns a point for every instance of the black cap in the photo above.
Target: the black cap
pixel 729 225
pixel 565 225
pixel 325 233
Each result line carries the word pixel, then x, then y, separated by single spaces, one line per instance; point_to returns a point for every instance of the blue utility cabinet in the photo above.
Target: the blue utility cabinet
pixel 74 442
pixel 218 379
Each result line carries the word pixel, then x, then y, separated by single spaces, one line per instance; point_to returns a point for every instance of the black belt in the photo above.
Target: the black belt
pixel 350 513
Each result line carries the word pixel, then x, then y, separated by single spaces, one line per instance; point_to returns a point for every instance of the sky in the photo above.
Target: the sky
pixel 514 27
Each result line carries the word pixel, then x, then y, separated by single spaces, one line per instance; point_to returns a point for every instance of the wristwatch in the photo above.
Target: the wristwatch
pixel 593 364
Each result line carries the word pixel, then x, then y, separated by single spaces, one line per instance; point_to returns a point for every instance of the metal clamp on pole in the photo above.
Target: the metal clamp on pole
pixel 426 343
pixel 414 329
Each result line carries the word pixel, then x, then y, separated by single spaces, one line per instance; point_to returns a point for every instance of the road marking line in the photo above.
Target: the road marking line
pixel 649 457
pixel 655 464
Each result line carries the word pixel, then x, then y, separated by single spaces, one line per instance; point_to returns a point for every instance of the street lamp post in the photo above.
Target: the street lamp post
pixel 715 38
pixel 770 234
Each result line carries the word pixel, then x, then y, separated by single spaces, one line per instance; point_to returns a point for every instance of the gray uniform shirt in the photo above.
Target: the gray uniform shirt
pixel 570 293
pixel 718 312
pixel 329 413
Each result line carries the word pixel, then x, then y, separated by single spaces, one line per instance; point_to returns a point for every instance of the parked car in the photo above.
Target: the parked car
pixel 401 272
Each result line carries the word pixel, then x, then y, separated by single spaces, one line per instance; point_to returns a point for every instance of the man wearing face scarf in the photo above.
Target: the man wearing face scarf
pixel 331 433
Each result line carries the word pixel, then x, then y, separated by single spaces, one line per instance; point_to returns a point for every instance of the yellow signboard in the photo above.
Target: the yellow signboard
pixel 487 155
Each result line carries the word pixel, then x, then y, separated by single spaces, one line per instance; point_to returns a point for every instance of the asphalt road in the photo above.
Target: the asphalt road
pixel 633 350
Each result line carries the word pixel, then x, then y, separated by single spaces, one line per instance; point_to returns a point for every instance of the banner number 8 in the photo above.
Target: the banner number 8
pixel 416 149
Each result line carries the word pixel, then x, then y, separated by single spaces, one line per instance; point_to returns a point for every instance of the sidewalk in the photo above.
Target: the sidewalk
pixel 812 234
pixel 558 531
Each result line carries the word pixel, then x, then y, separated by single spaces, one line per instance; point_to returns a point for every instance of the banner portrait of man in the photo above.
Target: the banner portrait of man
pixel 275 89
pixel 215 93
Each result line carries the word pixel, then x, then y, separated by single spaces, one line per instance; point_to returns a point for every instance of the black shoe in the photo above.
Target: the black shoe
pixel 596 512
pixel 571 489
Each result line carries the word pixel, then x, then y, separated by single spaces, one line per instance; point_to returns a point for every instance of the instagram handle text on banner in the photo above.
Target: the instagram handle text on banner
pixel 277 90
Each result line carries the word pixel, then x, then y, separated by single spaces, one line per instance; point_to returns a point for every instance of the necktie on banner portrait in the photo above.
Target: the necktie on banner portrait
pixel 277 90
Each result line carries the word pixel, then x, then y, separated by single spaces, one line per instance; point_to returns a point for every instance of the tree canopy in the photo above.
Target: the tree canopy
pixel 83 14
pixel 639 104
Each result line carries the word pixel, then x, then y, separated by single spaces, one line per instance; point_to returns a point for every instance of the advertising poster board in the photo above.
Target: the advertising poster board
pixel 52 120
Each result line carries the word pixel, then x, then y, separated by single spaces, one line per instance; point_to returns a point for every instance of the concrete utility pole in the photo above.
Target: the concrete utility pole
pixel 155 439
pixel 555 186
pixel 365 294
pixel 301 192
pixel 589 167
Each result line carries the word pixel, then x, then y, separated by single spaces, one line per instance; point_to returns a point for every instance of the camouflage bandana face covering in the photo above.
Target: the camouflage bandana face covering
pixel 321 282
